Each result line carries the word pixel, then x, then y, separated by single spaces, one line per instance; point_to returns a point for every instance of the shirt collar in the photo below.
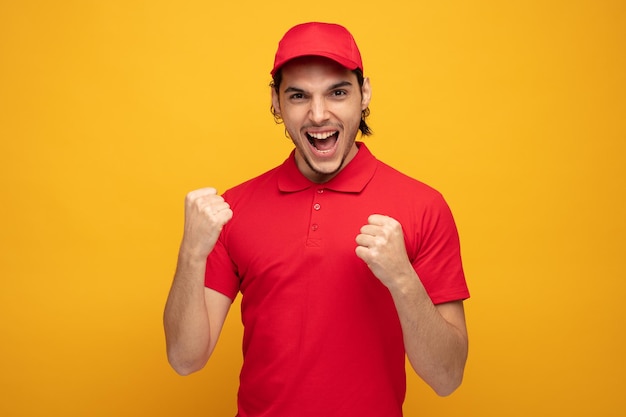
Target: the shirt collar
pixel 351 179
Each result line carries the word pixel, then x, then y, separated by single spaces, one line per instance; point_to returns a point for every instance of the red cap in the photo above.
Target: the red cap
pixel 318 39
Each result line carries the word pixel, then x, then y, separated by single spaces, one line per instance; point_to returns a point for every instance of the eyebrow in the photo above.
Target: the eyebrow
pixel 332 87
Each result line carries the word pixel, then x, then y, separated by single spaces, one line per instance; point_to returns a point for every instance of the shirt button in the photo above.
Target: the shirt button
pixel 314 227
pixel 316 206
pixel 320 191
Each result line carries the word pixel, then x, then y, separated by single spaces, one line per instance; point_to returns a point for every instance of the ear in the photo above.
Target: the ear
pixel 366 94
pixel 275 102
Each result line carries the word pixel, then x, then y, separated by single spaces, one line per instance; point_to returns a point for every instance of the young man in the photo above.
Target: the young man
pixel 344 264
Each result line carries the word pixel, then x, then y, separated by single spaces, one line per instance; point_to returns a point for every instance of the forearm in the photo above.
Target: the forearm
pixel 435 337
pixel 194 316
pixel 436 345
pixel 186 322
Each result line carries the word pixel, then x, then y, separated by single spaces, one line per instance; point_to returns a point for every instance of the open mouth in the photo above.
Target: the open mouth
pixel 323 142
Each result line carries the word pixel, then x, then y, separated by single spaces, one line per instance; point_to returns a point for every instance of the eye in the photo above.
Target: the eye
pixel 296 96
pixel 338 93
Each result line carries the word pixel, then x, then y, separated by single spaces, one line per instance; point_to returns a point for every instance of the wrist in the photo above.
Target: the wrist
pixel 408 286
pixel 187 255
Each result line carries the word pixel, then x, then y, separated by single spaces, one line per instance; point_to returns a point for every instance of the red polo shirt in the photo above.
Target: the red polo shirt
pixel 321 333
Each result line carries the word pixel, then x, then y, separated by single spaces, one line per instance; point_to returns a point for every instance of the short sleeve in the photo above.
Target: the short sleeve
pixel 438 262
pixel 221 274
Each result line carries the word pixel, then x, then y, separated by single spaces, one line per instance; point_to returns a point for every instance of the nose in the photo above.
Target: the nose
pixel 318 112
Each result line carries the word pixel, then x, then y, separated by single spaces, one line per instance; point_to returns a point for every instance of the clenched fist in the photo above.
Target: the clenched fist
pixel 206 213
pixel 381 245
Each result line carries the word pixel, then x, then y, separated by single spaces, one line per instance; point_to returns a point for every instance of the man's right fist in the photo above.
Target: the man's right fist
pixel 206 213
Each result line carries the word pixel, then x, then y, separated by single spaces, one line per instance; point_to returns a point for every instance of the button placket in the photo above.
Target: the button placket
pixel 316 213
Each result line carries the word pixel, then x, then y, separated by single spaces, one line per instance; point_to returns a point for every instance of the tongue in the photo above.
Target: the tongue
pixel 325 144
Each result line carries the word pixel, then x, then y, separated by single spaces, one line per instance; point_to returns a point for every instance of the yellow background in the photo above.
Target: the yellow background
pixel 110 111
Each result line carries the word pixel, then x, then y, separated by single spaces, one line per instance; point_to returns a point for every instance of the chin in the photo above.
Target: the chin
pixel 326 171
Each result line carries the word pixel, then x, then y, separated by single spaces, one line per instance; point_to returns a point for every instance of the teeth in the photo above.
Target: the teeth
pixel 321 135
